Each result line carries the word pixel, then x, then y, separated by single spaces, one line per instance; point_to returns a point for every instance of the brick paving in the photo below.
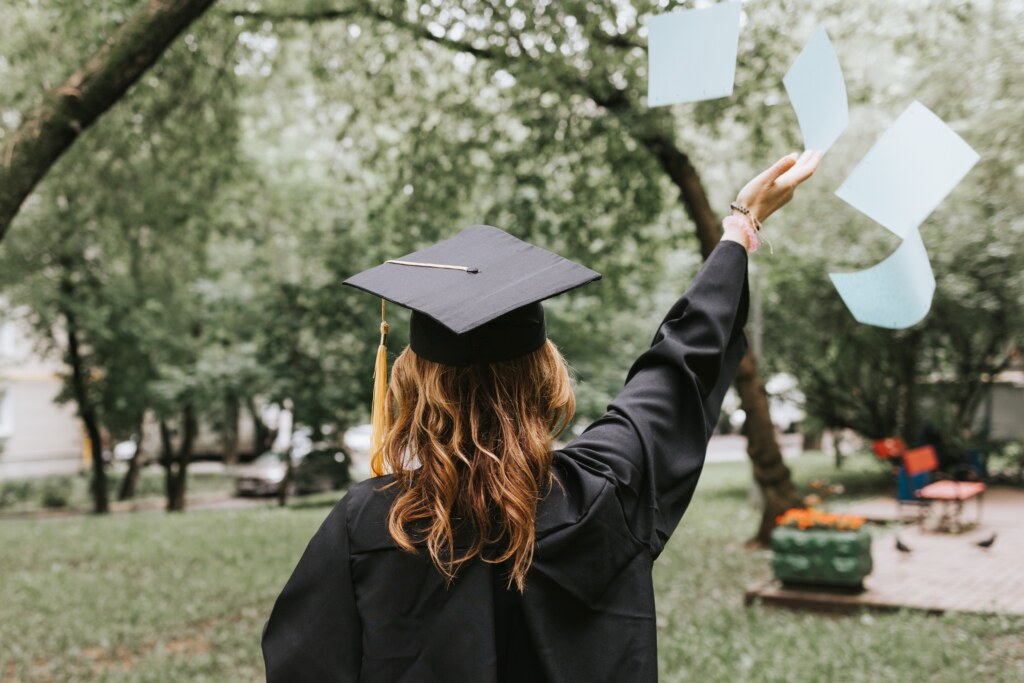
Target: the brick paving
pixel 943 572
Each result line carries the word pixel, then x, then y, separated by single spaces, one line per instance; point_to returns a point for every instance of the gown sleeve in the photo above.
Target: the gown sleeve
pixel 653 438
pixel 314 633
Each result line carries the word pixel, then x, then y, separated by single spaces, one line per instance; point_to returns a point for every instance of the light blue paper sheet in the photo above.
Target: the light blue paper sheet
pixel 817 92
pixel 691 55
pixel 895 293
pixel 908 171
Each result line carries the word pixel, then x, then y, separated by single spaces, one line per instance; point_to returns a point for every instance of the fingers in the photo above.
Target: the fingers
pixel 768 176
pixel 805 165
pixel 774 187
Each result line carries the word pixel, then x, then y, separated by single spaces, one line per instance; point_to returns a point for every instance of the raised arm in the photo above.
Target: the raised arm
pixel 653 439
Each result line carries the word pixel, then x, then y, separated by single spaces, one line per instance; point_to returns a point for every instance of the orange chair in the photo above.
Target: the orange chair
pixel 951 493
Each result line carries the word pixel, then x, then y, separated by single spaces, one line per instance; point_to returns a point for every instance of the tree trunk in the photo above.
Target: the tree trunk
pixel 90 91
pixel 176 463
pixel 169 463
pixel 131 478
pixel 286 483
pixel 79 386
pixel 230 433
pixel 130 482
pixel 908 370
pixel 770 471
pixel 176 501
pixel 837 443
pixel 289 472
pixel 263 436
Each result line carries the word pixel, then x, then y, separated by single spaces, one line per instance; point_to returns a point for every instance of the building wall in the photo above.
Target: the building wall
pixel 1007 411
pixel 37 436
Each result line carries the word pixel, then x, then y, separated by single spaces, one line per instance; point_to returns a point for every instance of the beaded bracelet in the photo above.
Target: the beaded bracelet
pixel 748 213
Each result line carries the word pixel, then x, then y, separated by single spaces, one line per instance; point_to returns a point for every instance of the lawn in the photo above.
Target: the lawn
pixel 157 597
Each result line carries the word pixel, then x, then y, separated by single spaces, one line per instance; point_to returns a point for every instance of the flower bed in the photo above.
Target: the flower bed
pixel 821 549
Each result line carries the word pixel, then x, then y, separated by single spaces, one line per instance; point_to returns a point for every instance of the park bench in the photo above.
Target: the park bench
pixel 916 483
pixel 922 464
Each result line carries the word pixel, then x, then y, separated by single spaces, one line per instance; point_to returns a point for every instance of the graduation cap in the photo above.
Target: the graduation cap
pixel 475 298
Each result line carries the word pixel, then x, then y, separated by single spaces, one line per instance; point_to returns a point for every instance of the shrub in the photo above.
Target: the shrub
pixel 14 492
pixel 56 492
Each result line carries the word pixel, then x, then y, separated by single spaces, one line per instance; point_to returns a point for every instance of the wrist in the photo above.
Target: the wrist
pixel 750 213
pixel 740 229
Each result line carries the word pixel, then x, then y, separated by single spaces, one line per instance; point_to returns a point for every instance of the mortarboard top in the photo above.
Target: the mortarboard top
pixel 476 296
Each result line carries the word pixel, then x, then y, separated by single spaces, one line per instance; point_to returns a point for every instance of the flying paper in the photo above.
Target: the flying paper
pixel 908 171
pixel 895 293
pixel 691 55
pixel 818 93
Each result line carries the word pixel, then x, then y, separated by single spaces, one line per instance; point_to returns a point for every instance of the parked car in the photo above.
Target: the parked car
pixel 324 469
pixel 262 476
pixel 321 470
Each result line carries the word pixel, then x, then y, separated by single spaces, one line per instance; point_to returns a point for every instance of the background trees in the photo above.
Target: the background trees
pixel 194 239
pixel 108 255
pixel 879 382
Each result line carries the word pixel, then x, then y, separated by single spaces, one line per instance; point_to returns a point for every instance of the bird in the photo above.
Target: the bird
pixel 987 543
pixel 901 546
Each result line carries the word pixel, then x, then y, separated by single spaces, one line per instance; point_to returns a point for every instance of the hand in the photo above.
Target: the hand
pixel 772 189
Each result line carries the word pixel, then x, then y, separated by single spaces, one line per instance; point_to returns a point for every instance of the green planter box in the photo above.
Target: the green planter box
pixel 821 557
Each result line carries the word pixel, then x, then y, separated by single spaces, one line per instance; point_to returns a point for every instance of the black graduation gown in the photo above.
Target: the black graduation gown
pixel 357 609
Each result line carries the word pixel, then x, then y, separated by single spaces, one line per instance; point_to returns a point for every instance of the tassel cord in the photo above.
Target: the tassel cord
pixel 379 415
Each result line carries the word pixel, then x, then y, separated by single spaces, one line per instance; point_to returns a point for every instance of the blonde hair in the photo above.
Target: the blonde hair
pixel 470 447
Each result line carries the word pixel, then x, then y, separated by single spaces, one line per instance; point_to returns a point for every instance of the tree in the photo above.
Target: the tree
pixel 87 94
pixel 881 382
pixel 578 55
pixel 112 287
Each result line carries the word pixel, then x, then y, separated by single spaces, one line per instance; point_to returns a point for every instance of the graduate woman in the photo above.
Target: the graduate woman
pixel 480 554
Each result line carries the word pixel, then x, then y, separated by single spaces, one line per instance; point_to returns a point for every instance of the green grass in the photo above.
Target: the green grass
pixel 155 597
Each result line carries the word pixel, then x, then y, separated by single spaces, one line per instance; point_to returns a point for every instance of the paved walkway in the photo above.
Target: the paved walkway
pixel 733 447
pixel 942 572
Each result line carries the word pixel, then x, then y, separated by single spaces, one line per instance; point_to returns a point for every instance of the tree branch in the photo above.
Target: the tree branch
pixel 89 92
pixel 320 16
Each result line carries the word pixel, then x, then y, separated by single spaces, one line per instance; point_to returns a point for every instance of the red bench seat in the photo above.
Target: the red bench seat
pixel 951 490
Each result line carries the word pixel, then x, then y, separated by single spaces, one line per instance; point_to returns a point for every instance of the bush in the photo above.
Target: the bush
pixel 150 484
pixel 1006 462
pixel 14 492
pixel 56 492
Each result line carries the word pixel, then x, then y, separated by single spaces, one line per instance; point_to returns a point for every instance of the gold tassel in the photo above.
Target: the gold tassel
pixel 379 415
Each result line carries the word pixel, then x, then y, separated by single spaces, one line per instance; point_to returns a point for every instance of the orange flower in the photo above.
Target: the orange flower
pixel 808 518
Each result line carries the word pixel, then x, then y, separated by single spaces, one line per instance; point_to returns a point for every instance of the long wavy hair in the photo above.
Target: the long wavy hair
pixel 470 447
